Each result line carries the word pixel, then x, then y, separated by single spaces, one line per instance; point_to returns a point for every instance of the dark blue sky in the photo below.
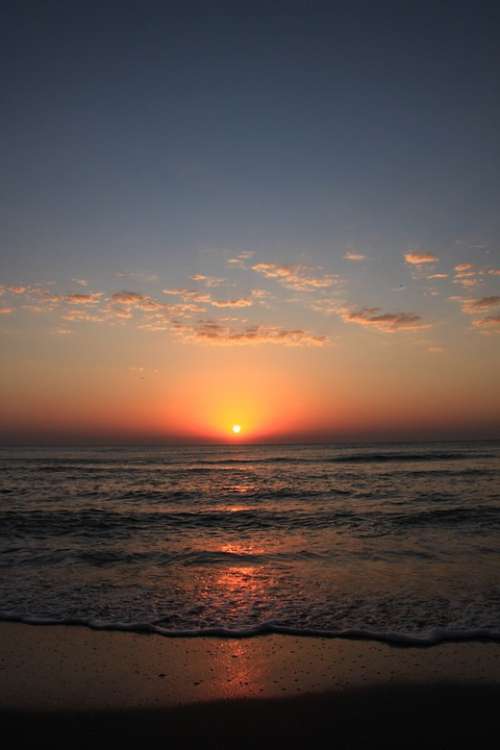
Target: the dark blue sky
pixel 138 134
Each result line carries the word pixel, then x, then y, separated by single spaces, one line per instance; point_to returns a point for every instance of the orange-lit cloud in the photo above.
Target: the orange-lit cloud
pixel 17 289
pixel 84 315
pixel 83 299
pixel 209 281
pixel 138 301
pixel 419 259
pixel 386 322
pixel 239 302
pixel 6 310
pixel 296 277
pixel 491 323
pixel 214 332
pixel 478 305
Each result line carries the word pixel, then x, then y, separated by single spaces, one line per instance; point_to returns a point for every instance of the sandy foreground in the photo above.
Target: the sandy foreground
pixel 58 678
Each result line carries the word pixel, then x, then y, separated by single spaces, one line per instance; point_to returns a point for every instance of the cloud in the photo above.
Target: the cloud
pixel 260 294
pixel 240 260
pixel 83 299
pixel 467 283
pixel 190 295
pixel 154 325
pixel 296 277
pixel 6 310
pixel 490 324
pixel 17 289
pixel 45 298
pixel 214 333
pixel 138 301
pixel 419 259
pixel 84 316
pixel 494 272
pixel 477 305
pixel 80 282
pixel 466 274
pixel 240 302
pixel 209 281
pixel 385 322
pixel 136 276
pixel 438 276
pixel 327 306
pixel 354 256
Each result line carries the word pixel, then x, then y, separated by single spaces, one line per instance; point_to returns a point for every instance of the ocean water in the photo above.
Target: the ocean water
pixel 395 542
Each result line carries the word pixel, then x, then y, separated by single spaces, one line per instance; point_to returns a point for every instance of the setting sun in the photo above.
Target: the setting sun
pixel 236 429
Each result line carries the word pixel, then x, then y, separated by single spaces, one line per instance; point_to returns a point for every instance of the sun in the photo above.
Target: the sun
pixel 236 429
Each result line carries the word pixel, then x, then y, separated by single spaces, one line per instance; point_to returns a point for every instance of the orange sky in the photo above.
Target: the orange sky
pixel 138 371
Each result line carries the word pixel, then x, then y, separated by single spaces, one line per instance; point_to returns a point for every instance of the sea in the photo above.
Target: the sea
pixel 393 542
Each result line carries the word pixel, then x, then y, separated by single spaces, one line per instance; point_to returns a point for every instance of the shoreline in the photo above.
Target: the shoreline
pixel 61 677
pixel 392 639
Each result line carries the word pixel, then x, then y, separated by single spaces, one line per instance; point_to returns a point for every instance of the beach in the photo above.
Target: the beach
pixel 62 679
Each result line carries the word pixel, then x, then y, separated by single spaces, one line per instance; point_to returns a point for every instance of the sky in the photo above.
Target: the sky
pixel 280 215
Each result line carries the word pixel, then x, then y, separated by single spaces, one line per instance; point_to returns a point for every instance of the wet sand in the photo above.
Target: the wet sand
pixel 60 679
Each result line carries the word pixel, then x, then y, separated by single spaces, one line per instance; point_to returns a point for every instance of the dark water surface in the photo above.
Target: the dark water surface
pixel 399 542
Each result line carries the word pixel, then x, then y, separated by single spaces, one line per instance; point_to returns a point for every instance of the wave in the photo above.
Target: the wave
pixel 95 464
pixel 102 558
pixel 425 638
pixel 120 525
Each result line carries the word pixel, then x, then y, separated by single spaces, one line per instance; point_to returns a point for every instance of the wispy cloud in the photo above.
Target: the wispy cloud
pixel 436 276
pixel 6 310
pixel 215 333
pixel 297 277
pixel 477 305
pixel 414 258
pixel 489 324
pixel 327 306
pixel 190 295
pixel 239 302
pixel 240 260
pixel 354 255
pixel 83 299
pixel 80 315
pixel 137 301
pixel 80 282
pixel 137 276
pixel 209 281
pixel 372 317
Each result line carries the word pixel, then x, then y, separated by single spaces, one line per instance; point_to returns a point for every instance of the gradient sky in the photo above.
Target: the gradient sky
pixel 282 215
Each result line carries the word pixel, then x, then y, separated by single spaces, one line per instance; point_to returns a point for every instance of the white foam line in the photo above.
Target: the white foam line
pixel 426 638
